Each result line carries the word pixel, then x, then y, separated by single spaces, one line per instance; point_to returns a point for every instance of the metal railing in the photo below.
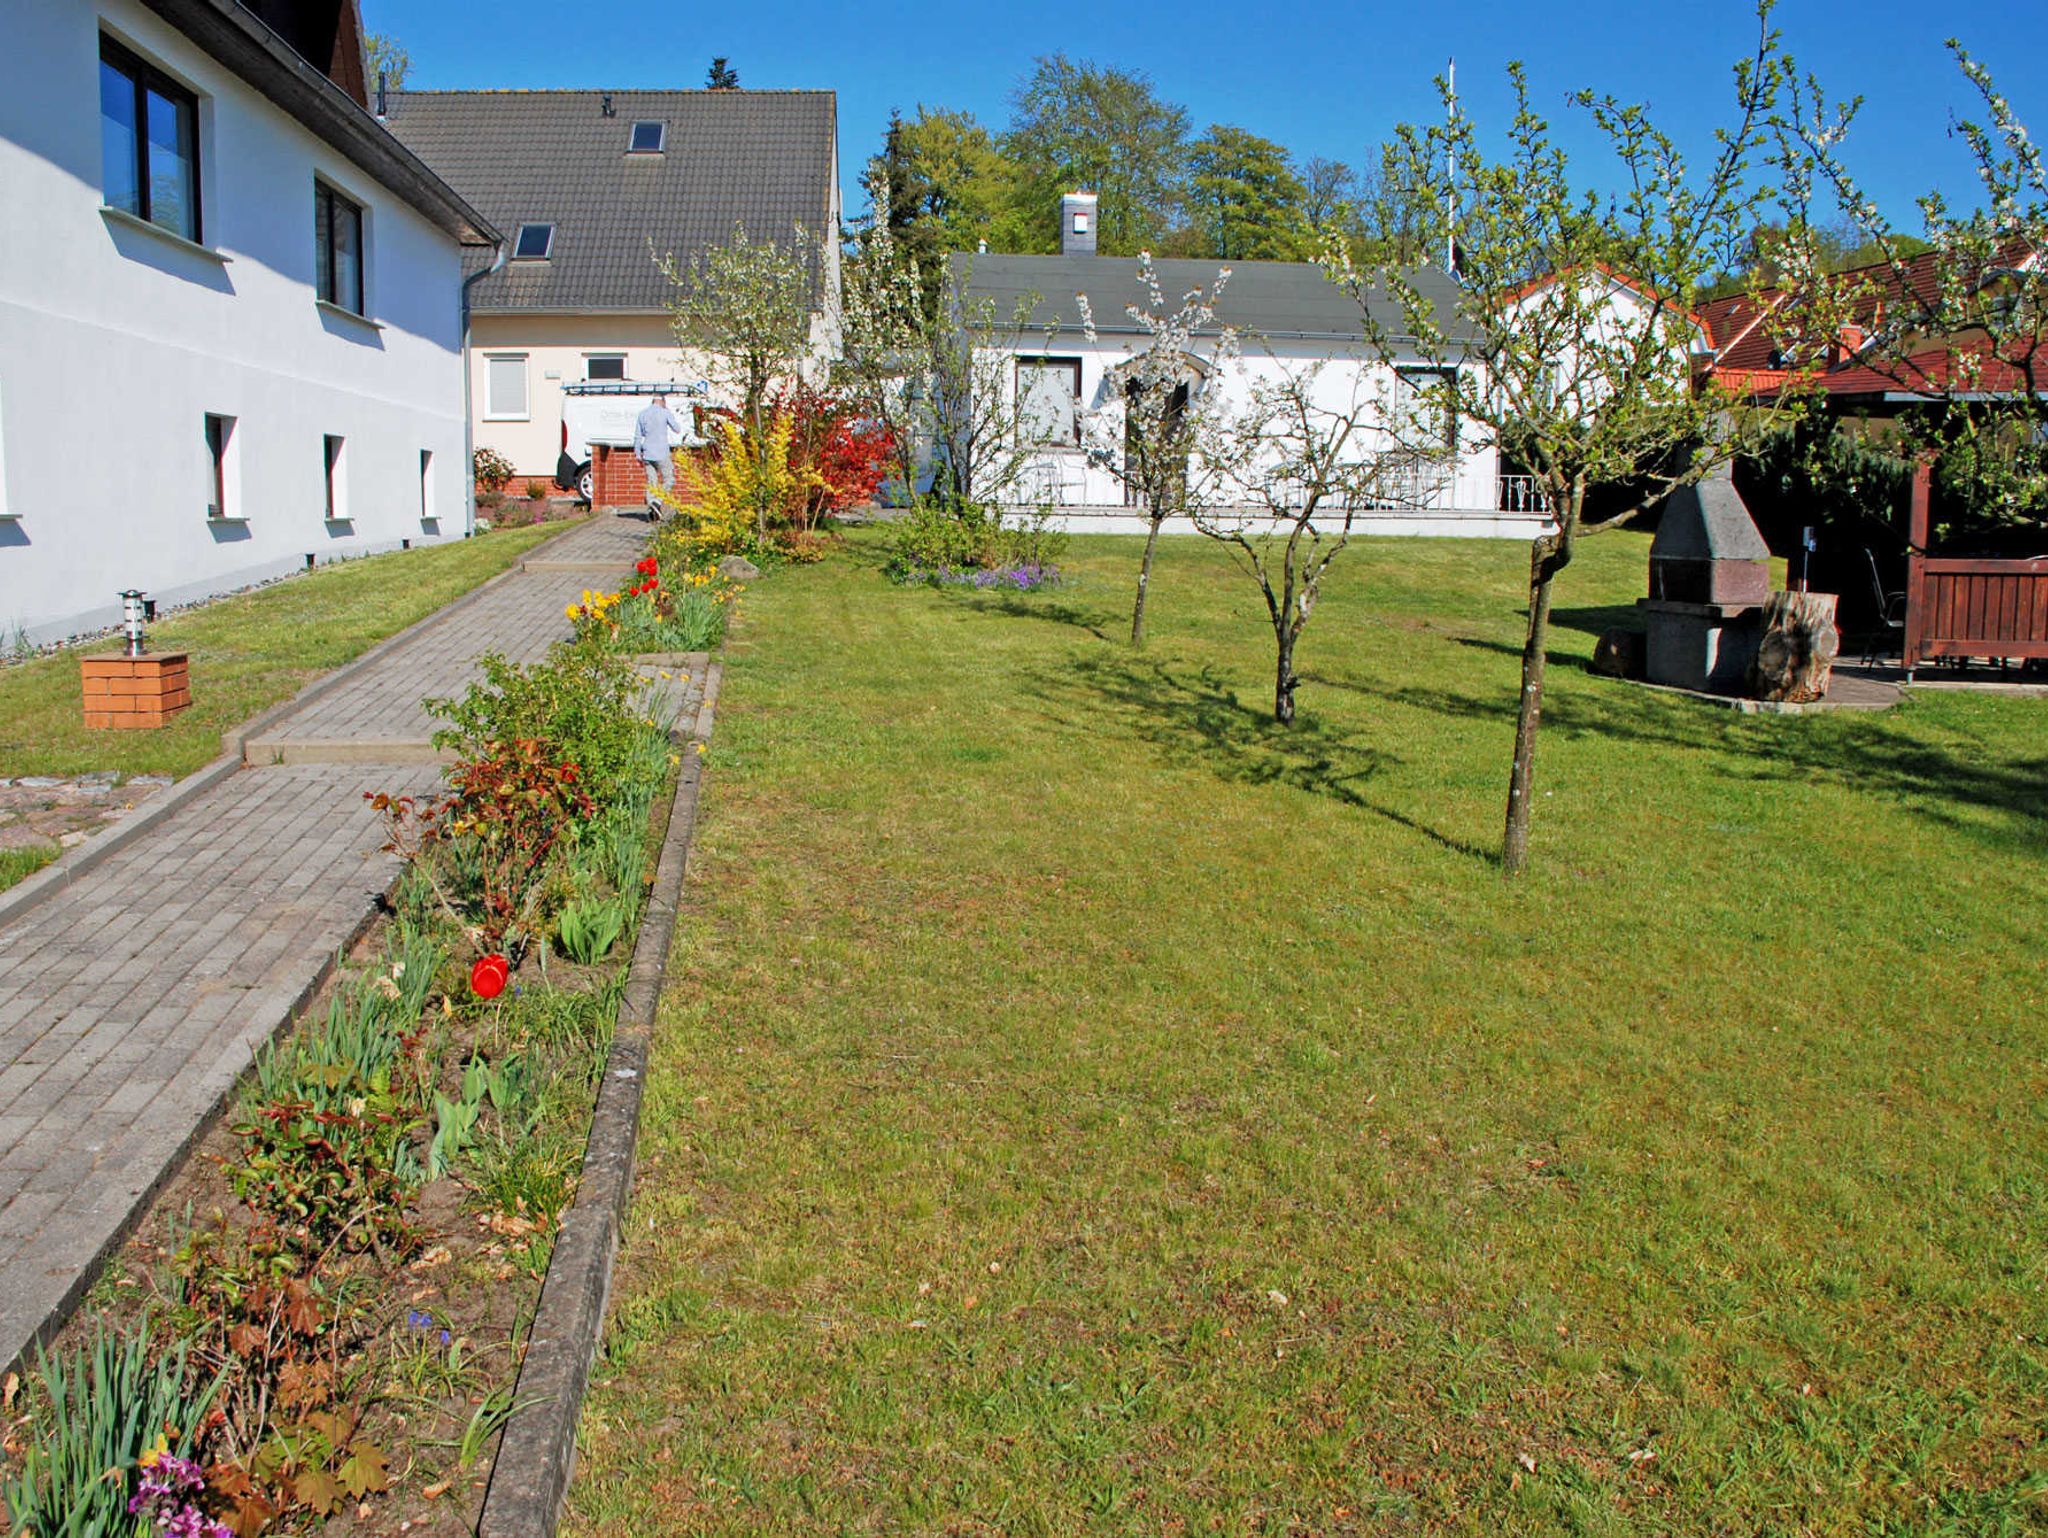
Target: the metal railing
pixel 1521 494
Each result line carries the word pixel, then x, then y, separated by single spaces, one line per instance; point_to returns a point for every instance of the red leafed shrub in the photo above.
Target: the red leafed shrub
pixel 838 457
pixel 509 808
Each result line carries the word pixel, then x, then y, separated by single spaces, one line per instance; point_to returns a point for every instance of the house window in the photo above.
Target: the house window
pixel 505 387
pixel 338 248
pixel 337 480
pixel 427 512
pixel 648 138
pixel 5 510
pixel 604 366
pixel 149 142
pixel 534 243
pixel 1049 400
pixel 225 503
pixel 1430 390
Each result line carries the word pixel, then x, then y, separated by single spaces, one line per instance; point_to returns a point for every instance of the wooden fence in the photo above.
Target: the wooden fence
pixel 1958 607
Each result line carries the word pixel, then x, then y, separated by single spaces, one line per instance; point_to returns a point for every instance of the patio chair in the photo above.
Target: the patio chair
pixel 1891 611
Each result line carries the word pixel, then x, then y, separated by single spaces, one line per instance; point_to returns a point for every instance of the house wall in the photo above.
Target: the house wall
pixel 1087 496
pixel 556 349
pixel 116 340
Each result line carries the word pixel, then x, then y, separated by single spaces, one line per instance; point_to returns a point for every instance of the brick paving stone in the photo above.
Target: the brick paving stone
pixel 131 1000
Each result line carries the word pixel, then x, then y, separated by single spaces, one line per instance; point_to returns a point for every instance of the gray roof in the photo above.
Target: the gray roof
pixel 762 159
pixel 1279 300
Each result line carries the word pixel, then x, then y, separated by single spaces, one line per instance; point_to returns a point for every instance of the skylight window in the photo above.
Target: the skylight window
pixel 648 138
pixel 534 243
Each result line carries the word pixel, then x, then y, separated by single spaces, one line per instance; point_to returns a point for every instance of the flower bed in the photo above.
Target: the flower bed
pixel 319 1322
pixel 1023 579
pixel 673 606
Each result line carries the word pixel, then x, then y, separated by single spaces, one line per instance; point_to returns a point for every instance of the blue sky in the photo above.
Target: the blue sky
pixel 1322 78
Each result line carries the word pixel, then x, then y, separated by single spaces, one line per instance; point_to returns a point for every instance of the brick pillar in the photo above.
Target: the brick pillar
pixel 616 478
pixel 125 693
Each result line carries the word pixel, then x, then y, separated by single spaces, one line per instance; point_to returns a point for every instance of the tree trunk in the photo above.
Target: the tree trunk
pixel 1284 679
pixel 1547 557
pixel 1144 581
pixel 1796 656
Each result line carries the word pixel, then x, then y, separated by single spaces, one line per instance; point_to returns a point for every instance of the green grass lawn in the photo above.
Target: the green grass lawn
pixel 1082 1106
pixel 248 653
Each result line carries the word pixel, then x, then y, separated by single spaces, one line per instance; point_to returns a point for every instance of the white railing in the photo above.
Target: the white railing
pixel 1521 494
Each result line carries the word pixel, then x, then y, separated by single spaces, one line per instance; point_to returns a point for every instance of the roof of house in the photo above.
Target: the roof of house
pixel 1283 301
pixel 323 94
pixel 765 160
pixel 1759 338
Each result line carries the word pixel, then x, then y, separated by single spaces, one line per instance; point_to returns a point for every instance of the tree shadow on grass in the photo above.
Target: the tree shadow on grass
pixel 1197 719
pixel 1868 753
pixel 1023 606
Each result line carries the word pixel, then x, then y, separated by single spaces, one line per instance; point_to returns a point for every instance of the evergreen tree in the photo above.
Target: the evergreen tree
pixel 721 76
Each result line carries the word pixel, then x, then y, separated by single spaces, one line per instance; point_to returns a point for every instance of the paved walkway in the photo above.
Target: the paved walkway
pixel 132 998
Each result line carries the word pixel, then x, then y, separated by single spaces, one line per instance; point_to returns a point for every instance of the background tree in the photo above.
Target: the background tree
pixel 387 59
pixel 1579 389
pixel 1159 405
pixel 1244 199
pixel 1079 125
pixel 721 76
pixel 747 306
pixel 1331 200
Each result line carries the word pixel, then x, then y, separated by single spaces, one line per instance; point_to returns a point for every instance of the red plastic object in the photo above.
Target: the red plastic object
pixel 488 977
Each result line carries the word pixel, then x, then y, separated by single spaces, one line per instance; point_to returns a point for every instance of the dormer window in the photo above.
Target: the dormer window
pixel 534 243
pixel 648 138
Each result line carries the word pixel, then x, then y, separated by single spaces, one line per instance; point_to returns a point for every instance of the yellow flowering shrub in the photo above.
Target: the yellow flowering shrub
pixel 724 503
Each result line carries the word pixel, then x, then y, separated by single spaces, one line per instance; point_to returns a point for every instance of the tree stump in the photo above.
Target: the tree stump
pixel 1797 653
pixel 1619 653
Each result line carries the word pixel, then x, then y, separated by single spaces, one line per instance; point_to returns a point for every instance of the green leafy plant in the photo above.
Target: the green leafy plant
pixel 583 704
pixel 590 927
pixel 934 537
pixel 454 1124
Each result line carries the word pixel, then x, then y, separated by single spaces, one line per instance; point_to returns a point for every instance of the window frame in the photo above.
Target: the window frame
pixel 333 453
pixel 143 78
pixel 429 512
pixel 590 358
pixel 525 412
pixel 660 145
pixel 221 452
pixel 325 288
pixel 1047 362
pixel 547 250
pixel 1416 378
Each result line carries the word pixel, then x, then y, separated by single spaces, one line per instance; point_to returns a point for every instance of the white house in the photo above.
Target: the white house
pixel 230 307
pixel 1292 319
pixel 590 187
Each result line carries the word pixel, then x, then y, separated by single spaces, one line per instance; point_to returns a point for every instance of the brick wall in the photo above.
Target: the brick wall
pixel 617 479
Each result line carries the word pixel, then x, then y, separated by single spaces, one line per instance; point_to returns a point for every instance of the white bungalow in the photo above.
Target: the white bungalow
pixel 1292 318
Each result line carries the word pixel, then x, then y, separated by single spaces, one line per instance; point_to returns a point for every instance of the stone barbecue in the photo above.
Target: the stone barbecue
pixel 1710 573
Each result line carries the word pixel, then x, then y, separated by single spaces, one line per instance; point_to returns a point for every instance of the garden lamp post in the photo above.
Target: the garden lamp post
pixel 132 616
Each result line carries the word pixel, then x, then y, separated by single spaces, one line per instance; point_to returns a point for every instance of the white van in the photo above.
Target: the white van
pixel 603 411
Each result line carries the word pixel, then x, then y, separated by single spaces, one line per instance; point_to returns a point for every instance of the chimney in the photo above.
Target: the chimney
pixel 606 107
pixel 1077 224
pixel 1848 342
pixel 383 105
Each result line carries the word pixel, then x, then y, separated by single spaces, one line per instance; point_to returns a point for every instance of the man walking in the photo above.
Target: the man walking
pixel 655 432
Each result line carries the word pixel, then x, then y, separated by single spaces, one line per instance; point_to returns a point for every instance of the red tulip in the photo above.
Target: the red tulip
pixel 488 977
pixel 647 567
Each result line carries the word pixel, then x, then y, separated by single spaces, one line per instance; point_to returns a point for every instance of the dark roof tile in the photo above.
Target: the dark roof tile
pixel 762 159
